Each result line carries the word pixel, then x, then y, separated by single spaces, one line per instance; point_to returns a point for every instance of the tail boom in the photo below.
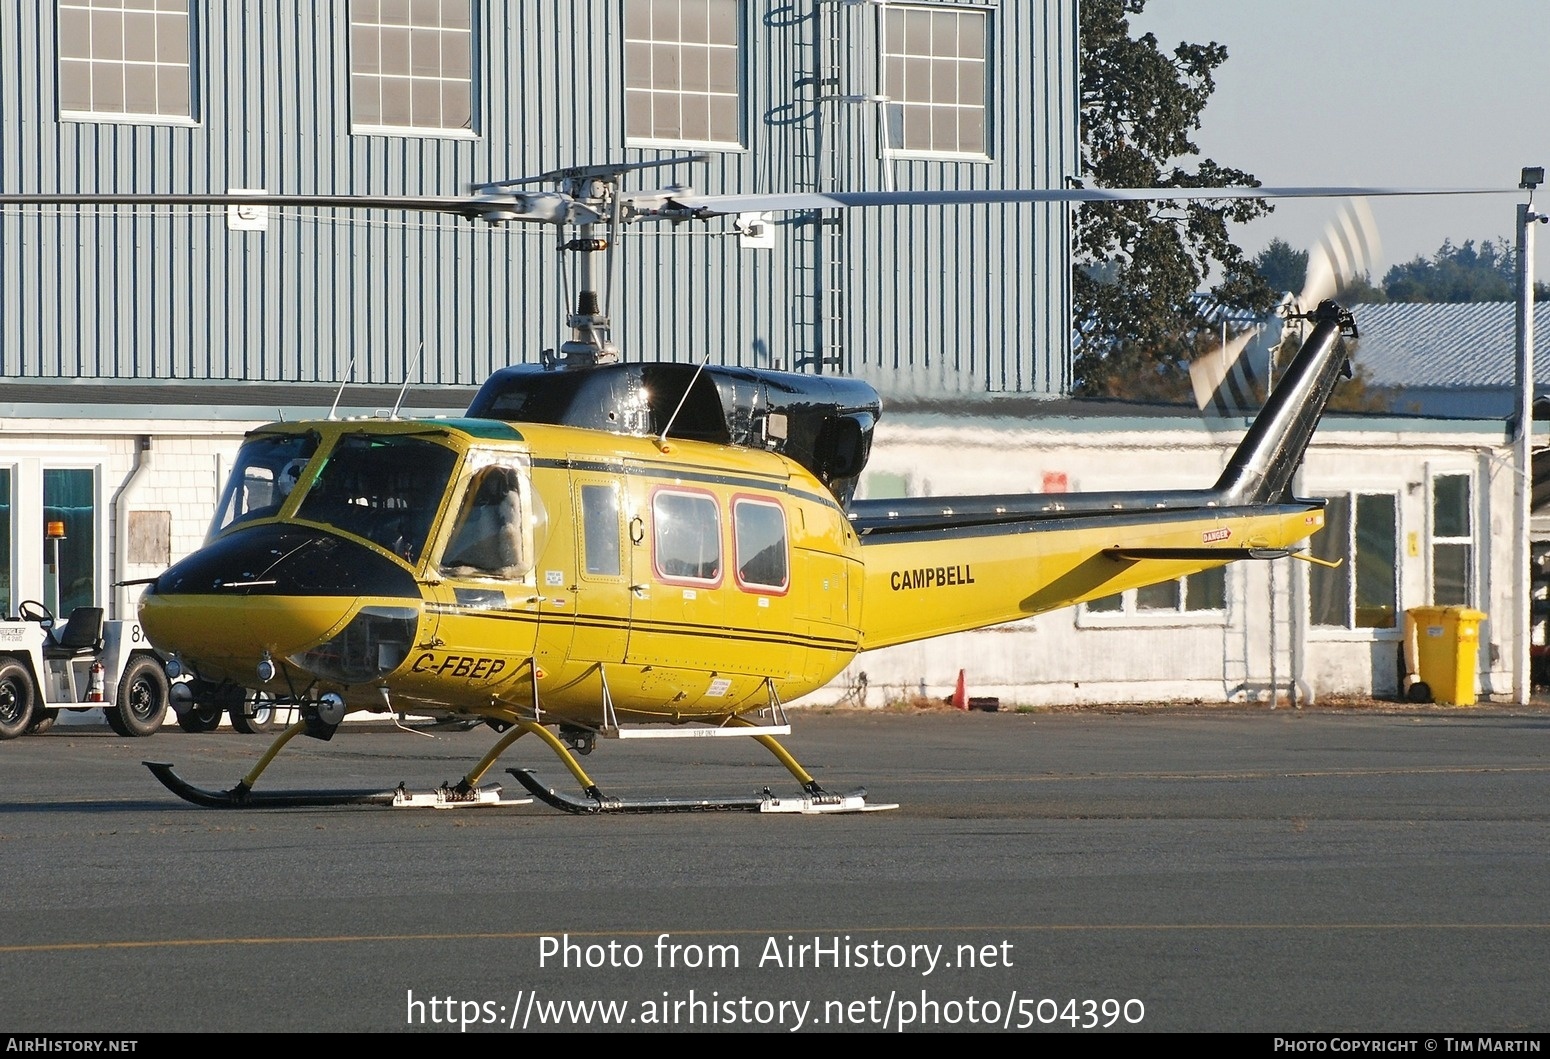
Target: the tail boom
pixel 927 583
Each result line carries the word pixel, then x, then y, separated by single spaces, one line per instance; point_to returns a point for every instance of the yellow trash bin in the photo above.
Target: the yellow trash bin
pixel 1442 654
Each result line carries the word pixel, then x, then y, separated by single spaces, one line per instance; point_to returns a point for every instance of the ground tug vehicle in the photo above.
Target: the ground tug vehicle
pixel 83 663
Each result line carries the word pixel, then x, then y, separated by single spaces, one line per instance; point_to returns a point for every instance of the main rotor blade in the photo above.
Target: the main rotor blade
pixel 431 204
pixel 543 207
pixel 715 205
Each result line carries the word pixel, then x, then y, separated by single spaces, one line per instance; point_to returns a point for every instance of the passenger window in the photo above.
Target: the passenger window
pixel 688 536
pixel 759 536
pixel 489 539
pixel 600 530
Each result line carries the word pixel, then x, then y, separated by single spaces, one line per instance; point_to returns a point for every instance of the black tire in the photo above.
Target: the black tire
pixel 200 717
pixel 42 720
pixel 18 698
pixel 254 715
pixel 143 694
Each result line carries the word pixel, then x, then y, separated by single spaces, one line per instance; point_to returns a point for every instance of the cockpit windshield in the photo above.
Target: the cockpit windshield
pixel 383 487
pixel 267 470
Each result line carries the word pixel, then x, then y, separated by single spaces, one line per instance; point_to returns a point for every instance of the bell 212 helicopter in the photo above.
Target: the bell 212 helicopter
pixel 615 548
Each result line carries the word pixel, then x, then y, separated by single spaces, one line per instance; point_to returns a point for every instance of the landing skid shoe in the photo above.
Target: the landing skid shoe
pixel 595 801
pixel 448 796
pixel 823 802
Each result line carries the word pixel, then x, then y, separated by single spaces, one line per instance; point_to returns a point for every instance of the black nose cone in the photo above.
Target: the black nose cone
pixel 286 560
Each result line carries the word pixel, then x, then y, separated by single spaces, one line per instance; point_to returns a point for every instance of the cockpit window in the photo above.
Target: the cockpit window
pixel 385 488
pixel 493 534
pixel 267 470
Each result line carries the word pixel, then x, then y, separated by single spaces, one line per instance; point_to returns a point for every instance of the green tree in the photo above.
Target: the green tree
pixel 1140 263
pixel 1283 268
pixel 1465 273
pixel 1286 270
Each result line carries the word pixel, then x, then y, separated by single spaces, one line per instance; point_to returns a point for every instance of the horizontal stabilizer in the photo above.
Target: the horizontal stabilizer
pixel 1197 554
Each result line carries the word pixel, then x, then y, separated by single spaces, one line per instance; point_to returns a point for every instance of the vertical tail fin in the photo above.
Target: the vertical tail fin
pixel 1262 467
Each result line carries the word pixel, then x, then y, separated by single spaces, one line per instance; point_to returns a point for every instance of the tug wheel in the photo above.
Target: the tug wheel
pixel 253 716
pixel 143 694
pixel 42 720
pixel 17 698
pixel 200 717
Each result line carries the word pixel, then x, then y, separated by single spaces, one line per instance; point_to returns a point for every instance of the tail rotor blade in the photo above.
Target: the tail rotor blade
pixel 1348 247
pixel 1225 381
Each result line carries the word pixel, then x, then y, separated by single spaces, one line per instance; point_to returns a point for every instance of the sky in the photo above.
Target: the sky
pixel 1434 93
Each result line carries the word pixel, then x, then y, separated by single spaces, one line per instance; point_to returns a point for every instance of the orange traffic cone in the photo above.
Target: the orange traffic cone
pixel 960 695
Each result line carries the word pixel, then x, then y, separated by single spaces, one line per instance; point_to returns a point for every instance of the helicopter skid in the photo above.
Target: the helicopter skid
pixel 595 802
pixel 243 796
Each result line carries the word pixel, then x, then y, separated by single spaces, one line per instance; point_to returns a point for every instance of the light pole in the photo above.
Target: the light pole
pixel 1522 663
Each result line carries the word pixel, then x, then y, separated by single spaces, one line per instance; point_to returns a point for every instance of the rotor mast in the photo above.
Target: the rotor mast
pixel 588 198
pixel 590 344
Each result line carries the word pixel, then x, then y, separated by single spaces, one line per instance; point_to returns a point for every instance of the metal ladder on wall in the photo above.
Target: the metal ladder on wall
pixel 1257 663
pixel 818 308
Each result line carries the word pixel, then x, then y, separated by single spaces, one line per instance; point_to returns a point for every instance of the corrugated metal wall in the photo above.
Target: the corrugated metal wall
pixel 921 301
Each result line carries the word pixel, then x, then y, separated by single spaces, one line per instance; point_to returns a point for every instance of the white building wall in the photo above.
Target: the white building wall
pixel 183 464
pixel 1264 635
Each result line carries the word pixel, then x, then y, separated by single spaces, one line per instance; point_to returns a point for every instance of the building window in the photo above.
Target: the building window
pixel 125 59
pixel 1452 541
pixel 70 561
pixel 1202 593
pixel 1363 591
pixel 411 66
pixel 935 76
pixel 683 72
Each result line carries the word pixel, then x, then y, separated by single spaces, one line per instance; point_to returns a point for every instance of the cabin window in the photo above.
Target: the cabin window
pixel 759 540
pixel 267 470
pixel 491 537
pixel 1360 532
pixel 1452 541
pixel 600 530
pixel 688 536
pixel 384 488
pixel 1200 593
pixel 125 61
pixel 70 561
pixel 683 72
pixel 411 66
pixel 934 76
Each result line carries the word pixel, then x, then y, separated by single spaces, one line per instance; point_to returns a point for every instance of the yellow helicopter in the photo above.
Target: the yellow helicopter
pixel 610 548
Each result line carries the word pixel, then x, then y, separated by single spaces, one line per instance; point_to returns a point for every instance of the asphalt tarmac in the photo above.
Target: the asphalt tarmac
pixel 1204 870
